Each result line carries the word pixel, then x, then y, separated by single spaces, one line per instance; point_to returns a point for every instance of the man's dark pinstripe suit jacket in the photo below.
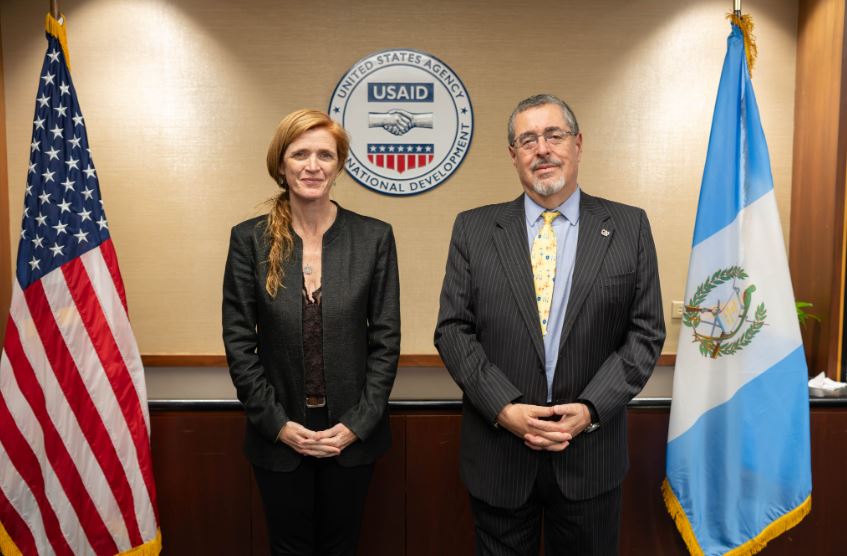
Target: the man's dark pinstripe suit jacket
pixel 489 337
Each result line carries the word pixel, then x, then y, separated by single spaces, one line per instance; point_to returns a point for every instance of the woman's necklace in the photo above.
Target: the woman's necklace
pixel 307 268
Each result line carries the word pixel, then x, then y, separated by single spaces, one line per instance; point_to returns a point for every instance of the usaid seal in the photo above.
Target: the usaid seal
pixel 409 117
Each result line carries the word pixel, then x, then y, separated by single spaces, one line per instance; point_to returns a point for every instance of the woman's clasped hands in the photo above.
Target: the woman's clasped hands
pixel 319 444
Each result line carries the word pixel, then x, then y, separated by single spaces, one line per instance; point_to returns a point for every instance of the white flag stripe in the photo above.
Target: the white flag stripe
pixel 717 380
pixel 113 310
pixel 28 425
pixel 21 498
pixel 65 421
pixel 116 318
pixel 97 384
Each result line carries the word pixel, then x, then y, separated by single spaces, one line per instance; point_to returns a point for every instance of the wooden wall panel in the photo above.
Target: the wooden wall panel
pixel 203 482
pixel 645 525
pixel 384 526
pixel 816 244
pixel 438 514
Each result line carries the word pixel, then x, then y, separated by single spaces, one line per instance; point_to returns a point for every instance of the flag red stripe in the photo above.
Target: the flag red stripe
pixel 91 313
pixel 413 161
pixel 57 454
pixel 370 158
pixel 421 160
pixel 82 405
pixel 380 160
pixel 16 527
pixel 389 161
pixel 107 249
pixel 401 163
pixel 23 458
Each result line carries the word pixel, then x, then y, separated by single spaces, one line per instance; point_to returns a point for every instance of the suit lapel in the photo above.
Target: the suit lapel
pixel 511 243
pixel 596 232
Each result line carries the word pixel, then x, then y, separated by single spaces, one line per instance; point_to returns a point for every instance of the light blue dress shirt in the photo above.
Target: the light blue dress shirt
pixel 566 228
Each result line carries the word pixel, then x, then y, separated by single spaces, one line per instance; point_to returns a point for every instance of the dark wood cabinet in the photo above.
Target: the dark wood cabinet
pixel 417 506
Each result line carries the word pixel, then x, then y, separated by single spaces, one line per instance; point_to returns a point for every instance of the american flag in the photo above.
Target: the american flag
pixel 76 476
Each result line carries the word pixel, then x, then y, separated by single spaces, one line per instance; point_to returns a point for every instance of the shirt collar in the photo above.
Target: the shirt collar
pixel 569 209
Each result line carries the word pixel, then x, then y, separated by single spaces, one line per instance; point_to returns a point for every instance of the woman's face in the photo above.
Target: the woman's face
pixel 310 165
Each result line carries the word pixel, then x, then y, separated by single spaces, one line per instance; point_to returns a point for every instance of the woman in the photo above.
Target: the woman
pixel 311 326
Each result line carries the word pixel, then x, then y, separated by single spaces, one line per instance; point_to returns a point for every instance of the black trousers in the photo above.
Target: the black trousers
pixel 317 508
pixel 571 527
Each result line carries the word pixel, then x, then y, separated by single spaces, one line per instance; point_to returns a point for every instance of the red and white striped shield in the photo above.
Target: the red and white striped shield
pixel 400 157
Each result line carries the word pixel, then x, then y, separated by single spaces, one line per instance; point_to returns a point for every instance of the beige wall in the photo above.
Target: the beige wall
pixel 181 98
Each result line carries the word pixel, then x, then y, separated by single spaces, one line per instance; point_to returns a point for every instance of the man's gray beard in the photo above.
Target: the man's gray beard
pixel 545 190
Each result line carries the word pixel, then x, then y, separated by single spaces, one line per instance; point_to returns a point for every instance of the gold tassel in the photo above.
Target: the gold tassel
pixel 57 29
pixel 7 546
pixel 680 519
pixel 150 548
pixel 745 23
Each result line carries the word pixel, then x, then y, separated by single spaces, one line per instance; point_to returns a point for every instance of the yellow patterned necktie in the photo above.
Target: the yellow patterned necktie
pixel 543 257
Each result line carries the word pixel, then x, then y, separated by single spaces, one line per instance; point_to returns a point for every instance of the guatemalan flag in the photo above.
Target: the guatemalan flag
pixel 738 458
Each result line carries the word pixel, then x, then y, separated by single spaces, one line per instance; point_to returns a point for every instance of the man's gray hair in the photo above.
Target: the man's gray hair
pixel 541 100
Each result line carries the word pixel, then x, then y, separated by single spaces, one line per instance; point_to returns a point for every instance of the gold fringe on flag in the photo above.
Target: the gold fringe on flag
pixel 745 23
pixel 7 546
pixel 151 548
pixel 754 545
pixel 57 29
pixel 679 517
pixel 775 529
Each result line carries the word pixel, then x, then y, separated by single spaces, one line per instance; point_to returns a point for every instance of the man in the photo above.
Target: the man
pixel 550 322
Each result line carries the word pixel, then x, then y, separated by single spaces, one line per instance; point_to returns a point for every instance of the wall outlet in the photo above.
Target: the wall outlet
pixel 676 309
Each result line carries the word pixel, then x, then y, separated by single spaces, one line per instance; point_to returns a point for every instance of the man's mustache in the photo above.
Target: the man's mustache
pixel 548 160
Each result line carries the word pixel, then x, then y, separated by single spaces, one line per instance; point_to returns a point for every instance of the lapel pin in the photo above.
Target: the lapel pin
pixel 604 232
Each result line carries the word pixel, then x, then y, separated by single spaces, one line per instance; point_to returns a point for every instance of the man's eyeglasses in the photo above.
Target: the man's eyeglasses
pixel 553 137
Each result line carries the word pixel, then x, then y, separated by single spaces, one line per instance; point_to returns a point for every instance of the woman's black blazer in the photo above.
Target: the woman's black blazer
pixel 263 336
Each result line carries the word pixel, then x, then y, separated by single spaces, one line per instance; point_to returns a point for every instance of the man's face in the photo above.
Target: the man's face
pixel 546 170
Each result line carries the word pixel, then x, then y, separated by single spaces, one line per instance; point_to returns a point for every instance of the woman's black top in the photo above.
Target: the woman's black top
pixel 313 355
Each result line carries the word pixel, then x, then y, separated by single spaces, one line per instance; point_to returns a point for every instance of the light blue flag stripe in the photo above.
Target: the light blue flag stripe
pixel 729 148
pixel 744 463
